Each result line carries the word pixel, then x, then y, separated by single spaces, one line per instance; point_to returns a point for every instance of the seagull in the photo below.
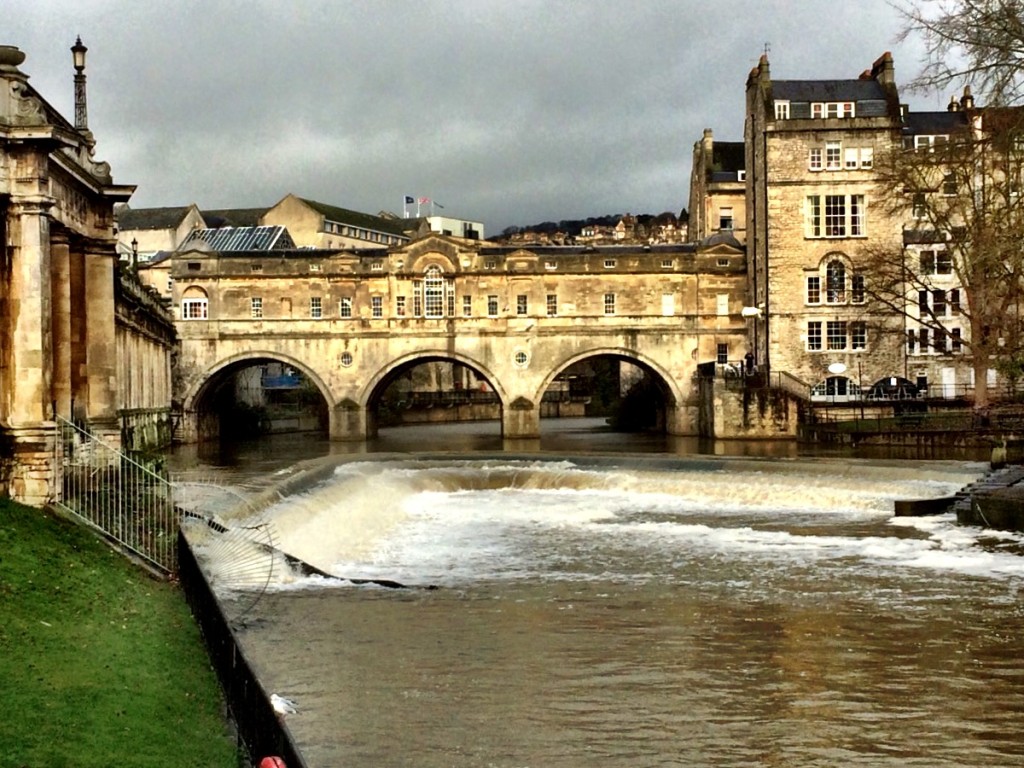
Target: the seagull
pixel 282 705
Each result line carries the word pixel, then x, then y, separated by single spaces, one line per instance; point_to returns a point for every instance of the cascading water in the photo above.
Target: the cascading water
pixel 634 613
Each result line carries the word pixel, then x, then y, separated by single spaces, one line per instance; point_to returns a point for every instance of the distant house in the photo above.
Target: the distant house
pixel 318 225
pixel 153 230
pixel 717 189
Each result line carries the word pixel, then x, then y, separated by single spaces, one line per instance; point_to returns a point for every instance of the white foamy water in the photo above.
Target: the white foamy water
pixel 458 523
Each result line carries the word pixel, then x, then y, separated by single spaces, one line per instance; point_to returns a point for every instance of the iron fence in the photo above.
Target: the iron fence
pixel 127 501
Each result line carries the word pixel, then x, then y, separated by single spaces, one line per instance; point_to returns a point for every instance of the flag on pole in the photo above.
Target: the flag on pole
pixel 438 205
pixel 409 200
pixel 423 200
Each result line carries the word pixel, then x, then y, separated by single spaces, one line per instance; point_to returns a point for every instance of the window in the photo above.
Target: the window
pixel 833 155
pixel 851 158
pixel 521 306
pixel 666 264
pixel 843 216
pixel 255 267
pixel 400 306
pixel 194 266
pixel 609 303
pixel 858 335
pixel 919 207
pixel 315 268
pixel 170 284
pixel 549 265
pixel 552 304
pixel 256 307
pixel 490 264
pixel 949 184
pixel 939 303
pixel 857 290
pixel 433 292
pixel 609 263
pixel 377 306
pixel 492 305
pixel 923 336
pixel 956 339
pixel 814 159
pixel 814 290
pixel 195 309
pixel 467 306
pixel 867 157
pixel 911 342
pixel 832 109
pixel 938 262
pixel 377 266
pixel 814 335
pixel 835 334
pixel 954 302
pixel 722 304
pixel 781 110
pixel 835 282
pixel 725 218
pixel 345 307
pixel 315 307
pixel 722 354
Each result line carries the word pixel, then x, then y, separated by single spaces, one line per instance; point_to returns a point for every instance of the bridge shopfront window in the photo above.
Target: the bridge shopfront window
pixel 434 287
pixel 194 304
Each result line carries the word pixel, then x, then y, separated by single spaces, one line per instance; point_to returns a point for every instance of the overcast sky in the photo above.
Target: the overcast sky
pixel 503 111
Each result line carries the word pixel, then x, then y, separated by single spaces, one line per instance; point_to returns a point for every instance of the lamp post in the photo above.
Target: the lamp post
pixel 78 59
pixel 135 255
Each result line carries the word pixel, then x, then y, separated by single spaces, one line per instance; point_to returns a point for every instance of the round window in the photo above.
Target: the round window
pixel 346 359
pixel 521 358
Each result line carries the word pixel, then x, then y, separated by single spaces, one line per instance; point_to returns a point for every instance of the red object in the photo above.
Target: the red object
pixel 272 762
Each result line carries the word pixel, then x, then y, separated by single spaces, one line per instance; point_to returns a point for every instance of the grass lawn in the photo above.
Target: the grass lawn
pixel 100 664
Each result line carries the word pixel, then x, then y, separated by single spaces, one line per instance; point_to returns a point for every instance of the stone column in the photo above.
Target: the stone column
pixel 79 359
pixel 101 343
pixel 60 313
pixel 520 419
pixel 348 421
pixel 28 231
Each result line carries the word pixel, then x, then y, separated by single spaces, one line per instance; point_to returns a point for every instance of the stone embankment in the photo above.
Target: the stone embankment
pixel 994 501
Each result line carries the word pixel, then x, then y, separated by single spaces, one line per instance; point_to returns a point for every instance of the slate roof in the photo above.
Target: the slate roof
pixel 356 219
pixel 828 90
pixel 233 217
pixel 151 218
pixel 934 123
pixel 728 156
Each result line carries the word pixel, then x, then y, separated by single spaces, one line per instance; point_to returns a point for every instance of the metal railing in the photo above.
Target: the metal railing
pixel 127 501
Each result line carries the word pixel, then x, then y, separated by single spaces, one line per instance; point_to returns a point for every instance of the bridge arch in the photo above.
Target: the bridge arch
pixel 199 415
pixel 378 383
pixel 667 385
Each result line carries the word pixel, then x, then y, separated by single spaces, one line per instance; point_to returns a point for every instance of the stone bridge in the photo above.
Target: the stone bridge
pixel 353 322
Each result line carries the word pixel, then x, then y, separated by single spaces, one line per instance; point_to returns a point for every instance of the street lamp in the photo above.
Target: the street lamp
pixel 78 59
pixel 135 255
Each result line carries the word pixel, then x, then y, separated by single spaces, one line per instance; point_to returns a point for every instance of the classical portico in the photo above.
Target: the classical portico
pixel 57 275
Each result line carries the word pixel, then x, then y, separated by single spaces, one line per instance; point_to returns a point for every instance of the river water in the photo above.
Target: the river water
pixel 636 610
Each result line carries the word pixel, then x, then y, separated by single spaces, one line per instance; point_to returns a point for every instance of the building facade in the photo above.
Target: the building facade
pixel 816 217
pixel 66 333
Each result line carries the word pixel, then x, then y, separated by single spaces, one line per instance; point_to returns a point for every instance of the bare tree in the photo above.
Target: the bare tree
pixel 959 277
pixel 979 43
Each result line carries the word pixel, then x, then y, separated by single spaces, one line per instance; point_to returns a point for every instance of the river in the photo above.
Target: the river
pixel 634 606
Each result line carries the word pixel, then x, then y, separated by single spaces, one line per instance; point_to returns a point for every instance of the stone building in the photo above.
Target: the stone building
pixel 812 218
pixel 514 318
pixel 718 189
pixel 70 327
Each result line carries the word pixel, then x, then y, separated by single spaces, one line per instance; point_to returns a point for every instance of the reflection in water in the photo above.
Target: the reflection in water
pixel 719 613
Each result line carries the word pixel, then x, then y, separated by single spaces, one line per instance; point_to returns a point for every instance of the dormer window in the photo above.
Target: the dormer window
pixel 825 109
pixel 781 110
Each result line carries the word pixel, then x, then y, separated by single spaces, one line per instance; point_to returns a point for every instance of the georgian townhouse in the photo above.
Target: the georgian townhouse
pixel 813 216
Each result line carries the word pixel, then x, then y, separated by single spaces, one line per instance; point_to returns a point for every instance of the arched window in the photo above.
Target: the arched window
pixel 194 304
pixel 835 282
pixel 433 292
